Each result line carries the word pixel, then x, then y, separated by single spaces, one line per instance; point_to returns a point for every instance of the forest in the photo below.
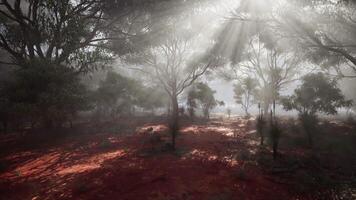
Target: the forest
pixel 178 99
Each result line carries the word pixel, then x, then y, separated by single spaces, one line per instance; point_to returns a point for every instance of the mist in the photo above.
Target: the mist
pixel 177 99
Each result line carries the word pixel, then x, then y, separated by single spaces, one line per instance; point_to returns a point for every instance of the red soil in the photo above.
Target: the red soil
pixel 206 165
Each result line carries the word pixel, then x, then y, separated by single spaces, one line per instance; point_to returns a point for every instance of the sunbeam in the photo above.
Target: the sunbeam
pixel 177 99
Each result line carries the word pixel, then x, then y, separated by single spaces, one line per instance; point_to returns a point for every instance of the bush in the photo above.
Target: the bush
pixel 45 92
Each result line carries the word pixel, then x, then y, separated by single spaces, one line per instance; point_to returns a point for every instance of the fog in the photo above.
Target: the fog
pixel 177 99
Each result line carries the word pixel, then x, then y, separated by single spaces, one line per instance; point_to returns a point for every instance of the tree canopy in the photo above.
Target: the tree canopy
pixel 317 93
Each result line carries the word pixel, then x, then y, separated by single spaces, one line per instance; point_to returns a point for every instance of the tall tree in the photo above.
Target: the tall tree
pixel 271 66
pixel 55 31
pixel 72 38
pixel 170 64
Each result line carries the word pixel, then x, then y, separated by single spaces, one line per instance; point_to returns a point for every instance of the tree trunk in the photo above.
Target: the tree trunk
pixel 174 120
pixel 266 108
pixel 169 108
pixel 246 112
pixel 206 113
pixel 191 112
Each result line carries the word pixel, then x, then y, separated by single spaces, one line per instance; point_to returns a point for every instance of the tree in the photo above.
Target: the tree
pixel 170 65
pixel 47 93
pixel 61 40
pixel 325 30
pixel 201 95
pixel 206 99
pixel 317 94
pixel 271 66
pixel 116 95
pixel 151 98
pixel 80 36
pixel 64 33
pixel 228 111
pixel 274 135
pixel 191 102
pixel 244 93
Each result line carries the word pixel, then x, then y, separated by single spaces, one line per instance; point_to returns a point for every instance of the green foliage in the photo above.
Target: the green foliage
pixel 201 94
pixel 151 98
pixel 244 93
pixel 50 93
pixel 316 94
pixel 191 102
pixel 116 95
pixel 120 95
pixel 61 32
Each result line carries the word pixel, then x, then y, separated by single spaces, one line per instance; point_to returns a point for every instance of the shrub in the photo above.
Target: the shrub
pixel 45 92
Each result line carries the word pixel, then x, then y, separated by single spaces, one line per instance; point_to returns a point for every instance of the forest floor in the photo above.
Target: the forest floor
pixel 216 160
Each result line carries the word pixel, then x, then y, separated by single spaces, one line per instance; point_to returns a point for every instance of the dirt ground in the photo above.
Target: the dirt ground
pixel 216 160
